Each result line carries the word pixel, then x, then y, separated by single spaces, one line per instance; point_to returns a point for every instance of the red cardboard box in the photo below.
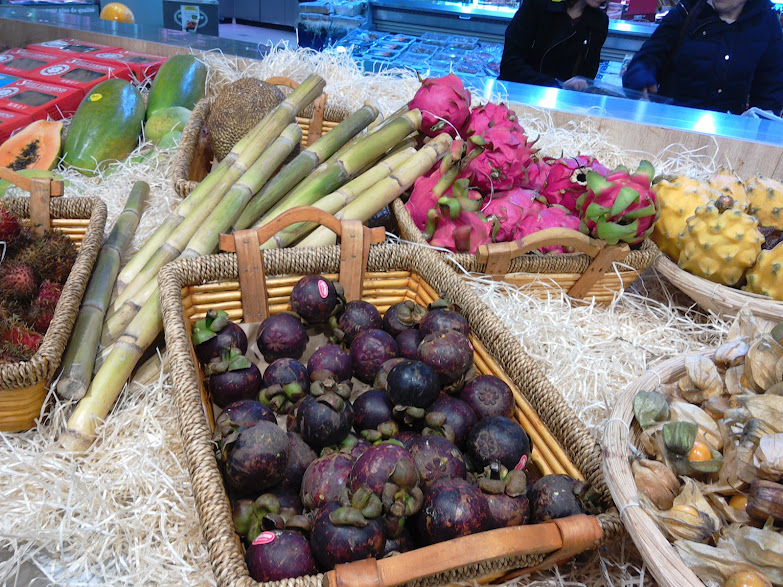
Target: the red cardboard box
pixel 19 62
pixel 11 121
pixel 132 66
pixel 70 47
pixel 39 100
pixel 78 73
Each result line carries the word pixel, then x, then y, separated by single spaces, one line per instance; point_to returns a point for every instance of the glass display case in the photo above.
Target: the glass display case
pixel 81 7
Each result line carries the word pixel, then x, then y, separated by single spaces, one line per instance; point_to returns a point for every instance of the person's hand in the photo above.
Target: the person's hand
pixel 651 89
pixel 577 83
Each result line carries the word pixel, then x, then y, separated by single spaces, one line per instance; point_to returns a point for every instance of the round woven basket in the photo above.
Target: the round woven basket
pixel 620 434
pixel 714 297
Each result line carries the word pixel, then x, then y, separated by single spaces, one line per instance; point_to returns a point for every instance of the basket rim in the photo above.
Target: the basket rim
pixel 658 553
pixel 573 436
pixel 45 362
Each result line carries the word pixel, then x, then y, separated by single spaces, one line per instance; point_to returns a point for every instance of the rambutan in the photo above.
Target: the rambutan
pixel 19 335
pixel 52 256
pixel 40 317
pixel 18 281
pixel 9 226
pixel 11 354
pixel 48 294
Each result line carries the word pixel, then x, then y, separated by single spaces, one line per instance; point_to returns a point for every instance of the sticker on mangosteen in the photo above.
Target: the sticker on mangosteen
pixel 264 538
pixel 521 464
pixel 323 289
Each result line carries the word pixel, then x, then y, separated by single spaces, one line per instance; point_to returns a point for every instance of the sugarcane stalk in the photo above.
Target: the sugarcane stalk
pixel 385 191
pixel 303 164
pixel 208 225
pixel 228 171
pixel 79 357
pixel 376 126
pixel 329 177
pixel 332 203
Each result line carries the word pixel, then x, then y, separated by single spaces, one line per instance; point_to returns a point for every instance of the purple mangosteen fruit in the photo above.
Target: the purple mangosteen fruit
pixel 448 352
pixel 403 316
pixel 299 458
pixel 282 335
pixel 330 361
pixel 452 508
pixel 253 516
pixel 497 440
pixel 408 343
pixel 369 350
pixel 235 416
pixel 436 457
pixel 280 554
pixel 325 479
pixel 231 378
pixel 290 418
pixel 383 373
pixel 214 333
pixel 450 417
pixel 342 534
pixel 440 316
pixel 315 299
pixel 321 386
pixel 402 543
pixel 405 437
pixel 288 497
pixel 488 396
pixel 506 493
pixel 558 496
pixel 412 386
pixel 357 317
pixel 286 381
pixel 373 416
pixel 324 420
pixel 350 445
pixel 258 458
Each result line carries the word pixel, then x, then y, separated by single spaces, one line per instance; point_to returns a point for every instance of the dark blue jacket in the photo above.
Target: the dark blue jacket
pixel 717 66
pixel 542 46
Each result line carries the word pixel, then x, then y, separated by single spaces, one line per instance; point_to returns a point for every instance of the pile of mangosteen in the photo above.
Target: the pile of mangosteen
pixel 384 440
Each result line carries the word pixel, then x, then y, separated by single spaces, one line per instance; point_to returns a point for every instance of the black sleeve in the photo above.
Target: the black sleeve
pixel 593 58
pixel 646 64
pixel 520 36
pixel 767 89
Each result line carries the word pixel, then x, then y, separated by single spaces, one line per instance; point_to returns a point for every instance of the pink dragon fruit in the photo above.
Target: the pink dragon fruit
pixel 507 209
pixel 456 223
pixel 552 217
pixel 566 179
pixel 620 207
pixel 505 152
pixel 427 190
pixel 535 175
pixel 444 104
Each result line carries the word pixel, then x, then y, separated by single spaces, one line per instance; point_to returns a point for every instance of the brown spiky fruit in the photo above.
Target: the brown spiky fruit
pixel 52 256
pixel 48 294
pixel 9 226
pixel 26 341
pixel 18 281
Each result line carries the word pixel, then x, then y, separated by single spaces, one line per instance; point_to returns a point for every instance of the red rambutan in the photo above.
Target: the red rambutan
pixel 20 336
pixel 18 281
pixel 9 226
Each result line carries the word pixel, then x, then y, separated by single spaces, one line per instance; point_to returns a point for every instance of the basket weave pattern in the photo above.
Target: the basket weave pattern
pixel 214 511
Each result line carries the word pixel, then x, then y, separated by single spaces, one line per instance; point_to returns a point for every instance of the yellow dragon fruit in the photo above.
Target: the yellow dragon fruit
pixel 728 184
pixel 720 242
pixel 678 198
pixel 765 200
pixel 766 276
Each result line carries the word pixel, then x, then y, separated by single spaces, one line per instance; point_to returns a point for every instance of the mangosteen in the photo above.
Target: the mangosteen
pixel 288 497
pixel 350 445
pixel 258 458
pixel 299 458
pixel 280 554
pixel 452 508
pixel 235 416
pixel 373 416
pixel 405 437
pixel 450 417
pixel 290 418
pixel 343 534
pixel 436 457
pixel 369 350
pixel 328 385
pixel 324 420
pixel 559 496
pixel 403 316
pixel 248 514
pixel 315 299
pixel 383 373
pixel 448 352
pixel 357 317
pixel 488 396
pixel 325 479
pixel 497 439
pixel 231 378
pixel 214 333
pixel 330 361
pixel 282 335
pixel 286 381
pixel 506 493
pixel 402 543
pixel 408 342
pixel 412 387
pixel 441 316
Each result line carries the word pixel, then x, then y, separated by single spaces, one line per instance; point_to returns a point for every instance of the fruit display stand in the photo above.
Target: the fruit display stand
pixel 23 384
pixel 250 287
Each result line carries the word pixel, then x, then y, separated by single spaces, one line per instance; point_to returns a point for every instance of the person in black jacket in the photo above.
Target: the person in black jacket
pixel 722 55
pixel 554 43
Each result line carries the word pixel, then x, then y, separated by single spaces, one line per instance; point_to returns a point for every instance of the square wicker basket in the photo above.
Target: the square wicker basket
pixel 382 275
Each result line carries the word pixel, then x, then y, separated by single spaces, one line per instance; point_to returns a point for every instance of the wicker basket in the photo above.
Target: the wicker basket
pixel 663 560
pixel 388 275
pixel 23 384
pixel 596 273
pixel 720 299
pixel 316 120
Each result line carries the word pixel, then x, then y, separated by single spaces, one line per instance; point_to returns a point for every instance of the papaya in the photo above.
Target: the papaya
pixel 106 126
pixel 180 81
pixel 164 121
pixel 37 146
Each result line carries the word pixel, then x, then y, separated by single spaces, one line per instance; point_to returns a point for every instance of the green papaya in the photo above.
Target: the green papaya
pixel 180 81
pixel 106 126
pixel 164 121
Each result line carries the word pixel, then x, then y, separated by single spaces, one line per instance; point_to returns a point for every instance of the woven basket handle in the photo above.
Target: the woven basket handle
pixel 498 256
pixel 316 126
pixel 563 538
pixel 355 241
pixel 41 189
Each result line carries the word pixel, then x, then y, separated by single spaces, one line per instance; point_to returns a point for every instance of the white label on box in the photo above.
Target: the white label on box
pixel 55 69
